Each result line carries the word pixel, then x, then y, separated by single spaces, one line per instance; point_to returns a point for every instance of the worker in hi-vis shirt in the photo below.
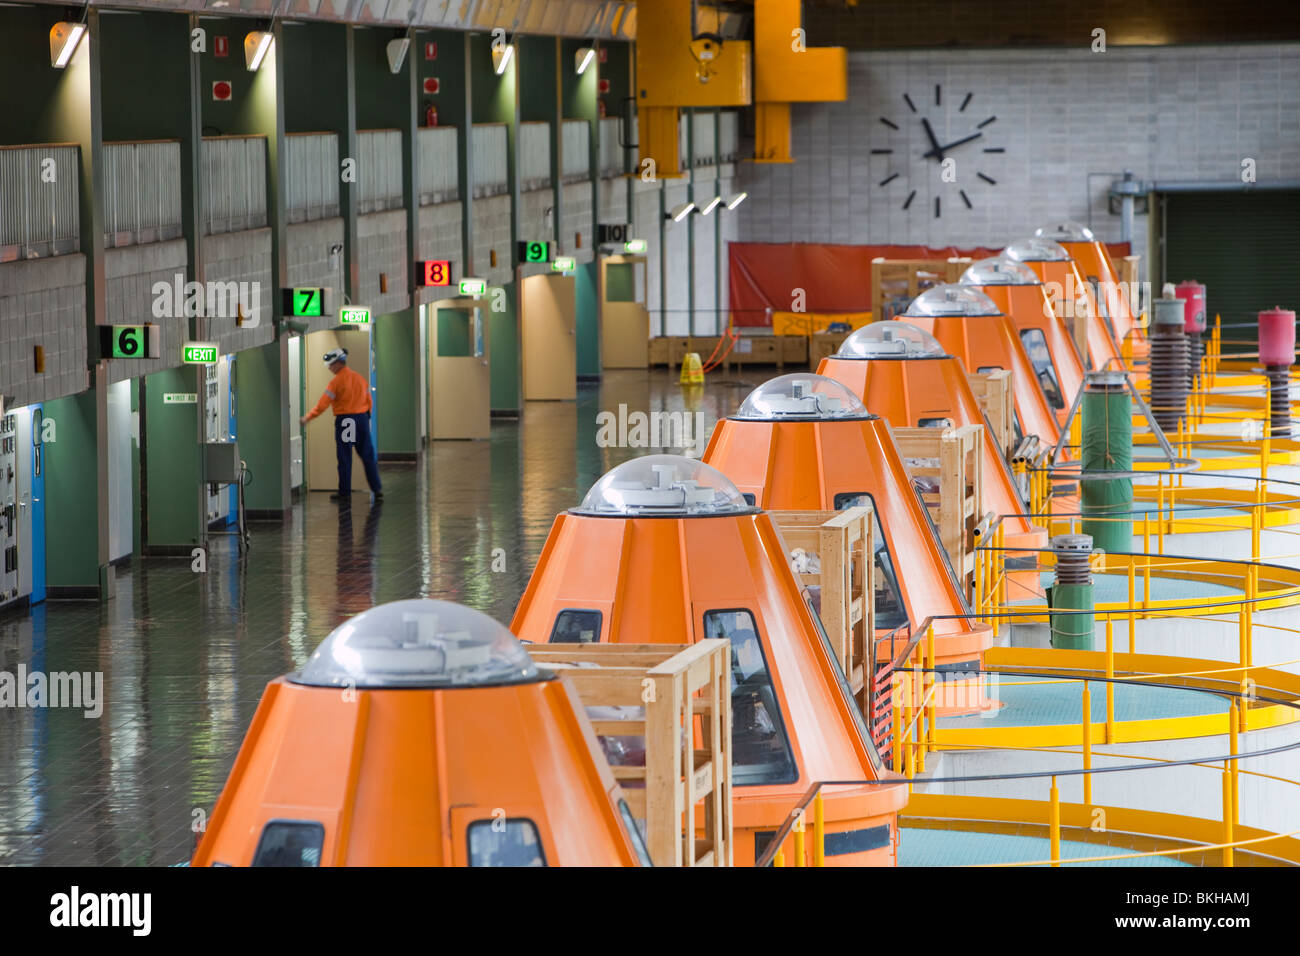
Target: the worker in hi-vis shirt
pixel 349 393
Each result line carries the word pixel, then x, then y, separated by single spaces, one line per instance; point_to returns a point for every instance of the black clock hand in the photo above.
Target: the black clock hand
pixel 940 150
pixel 934 141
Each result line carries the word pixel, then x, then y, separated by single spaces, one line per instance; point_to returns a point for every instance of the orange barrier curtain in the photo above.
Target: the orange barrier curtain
pixel 767 277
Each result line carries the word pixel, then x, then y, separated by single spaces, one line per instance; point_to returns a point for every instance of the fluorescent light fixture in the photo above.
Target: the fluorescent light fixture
pixel 680 212
pixel 712 205
pixel 64 38
pixel 635 247
pixel 583 58
pixel 256 45
pixel 396 53
pixel 736 200
pixel 501 57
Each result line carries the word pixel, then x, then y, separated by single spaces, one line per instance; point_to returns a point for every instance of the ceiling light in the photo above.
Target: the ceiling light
pixel 736 200
pixel 501 57
pixel 583 58
pixel 680 212
pixel 256 45
pixel 64 38
pixel 396 53
pixel 713 204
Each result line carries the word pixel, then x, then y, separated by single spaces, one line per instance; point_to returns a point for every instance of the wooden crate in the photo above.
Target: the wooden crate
pixel 669 350
pixel 1128 269
pixel 823 345
pixel 993 392
pixel 842 542
pixel 954 456
pixel 896 282
pixel 684 694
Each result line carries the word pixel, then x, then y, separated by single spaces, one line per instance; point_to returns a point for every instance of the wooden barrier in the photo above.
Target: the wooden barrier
pixel 955 458
pixel 844 546
pixel 993 392
pixel 682 693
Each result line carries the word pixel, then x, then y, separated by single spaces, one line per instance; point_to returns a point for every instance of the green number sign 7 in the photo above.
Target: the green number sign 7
pixel 306 302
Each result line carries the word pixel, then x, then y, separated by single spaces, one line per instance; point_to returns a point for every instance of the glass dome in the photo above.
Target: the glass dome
pixel 999 270
pixel 951 299
pixel 1067 230
pixel 891 339
pixel 668 485
pixel 802 395
pixel 418 643
pixel 1036 249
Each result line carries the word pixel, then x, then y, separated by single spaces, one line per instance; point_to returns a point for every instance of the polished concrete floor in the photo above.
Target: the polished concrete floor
pixel 185 656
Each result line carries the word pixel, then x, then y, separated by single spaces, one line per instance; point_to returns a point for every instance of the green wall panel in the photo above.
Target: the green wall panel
pixel 260 400
pixel 588 318
pixel 71 493
pixel 504 352
pixel 173 461
pixel 395 343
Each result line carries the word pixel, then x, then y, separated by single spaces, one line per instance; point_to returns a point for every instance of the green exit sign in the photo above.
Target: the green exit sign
pixel 199 353
pixel 635 247
pixel 473 286
pixel 354 315
pixel 564 264
pixel 304 303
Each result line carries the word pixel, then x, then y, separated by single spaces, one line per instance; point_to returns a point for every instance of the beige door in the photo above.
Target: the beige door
pixel 460 396
pixel 548 309
pixel 624 320
pixel 319 453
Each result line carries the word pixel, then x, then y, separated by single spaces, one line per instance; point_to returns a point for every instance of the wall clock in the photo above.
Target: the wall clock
pixel 944 140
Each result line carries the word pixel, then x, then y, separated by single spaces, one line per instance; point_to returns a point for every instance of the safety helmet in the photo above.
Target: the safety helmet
pixel 336 355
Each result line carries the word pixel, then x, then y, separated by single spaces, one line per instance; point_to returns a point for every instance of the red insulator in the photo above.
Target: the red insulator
pixel 1193 295
pixel 1277 337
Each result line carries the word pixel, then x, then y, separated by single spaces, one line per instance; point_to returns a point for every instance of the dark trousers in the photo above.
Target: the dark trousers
pixel 364 446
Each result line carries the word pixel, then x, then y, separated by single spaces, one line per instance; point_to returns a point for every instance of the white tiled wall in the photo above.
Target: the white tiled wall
pixel 42 302
pixel 241 257
pixel 575 209
pixel 131 272
pixel 381 237
pixel 309 262
pixel 1068 119
pixel 536 224
pixel 492 231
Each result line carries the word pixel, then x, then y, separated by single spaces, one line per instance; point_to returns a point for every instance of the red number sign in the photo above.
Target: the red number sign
pixel 437 272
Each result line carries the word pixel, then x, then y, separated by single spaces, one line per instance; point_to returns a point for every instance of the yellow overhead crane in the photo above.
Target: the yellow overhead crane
pixel 680 63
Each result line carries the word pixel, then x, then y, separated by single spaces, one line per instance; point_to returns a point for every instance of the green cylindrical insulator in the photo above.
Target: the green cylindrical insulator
pixel 1107 446
pixel 1072 631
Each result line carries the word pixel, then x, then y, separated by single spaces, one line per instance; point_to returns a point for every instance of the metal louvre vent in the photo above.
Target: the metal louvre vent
pixel 439 180
pixel 39 216
pixel 234 174
pixel 379 170
pixel 488 148
pixel 311 170
pixel 576 154
pixel 534 156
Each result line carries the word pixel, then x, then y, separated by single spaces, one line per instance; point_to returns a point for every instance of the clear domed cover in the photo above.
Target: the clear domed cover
pixel 668 485
pixel 891 339
pixel 1067 230
pixel 999 270
pixel 951 299
pixel 1036 249
pixel 418 643
pixel 802 395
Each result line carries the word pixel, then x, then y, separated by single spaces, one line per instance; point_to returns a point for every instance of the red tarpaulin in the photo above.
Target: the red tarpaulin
pixel 835 278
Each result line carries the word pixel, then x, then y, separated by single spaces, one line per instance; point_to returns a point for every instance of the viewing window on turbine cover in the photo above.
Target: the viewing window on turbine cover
pixel 576 627
pixel 505 843
pixel 921 489
pixel 1041 358
pixel 890 612
pixel 290 843
pixel 760 750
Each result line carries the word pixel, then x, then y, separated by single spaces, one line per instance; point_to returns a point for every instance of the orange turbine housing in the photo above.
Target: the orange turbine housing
pixel 804 442
pixel 1018 292
pixel 664 549
pixel 903 374
pixel 969 326
pixel 1097 266
pixel 420 733
pixel 1070 295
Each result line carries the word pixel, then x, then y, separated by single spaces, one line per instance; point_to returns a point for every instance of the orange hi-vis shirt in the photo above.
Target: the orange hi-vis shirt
pixel 347 391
